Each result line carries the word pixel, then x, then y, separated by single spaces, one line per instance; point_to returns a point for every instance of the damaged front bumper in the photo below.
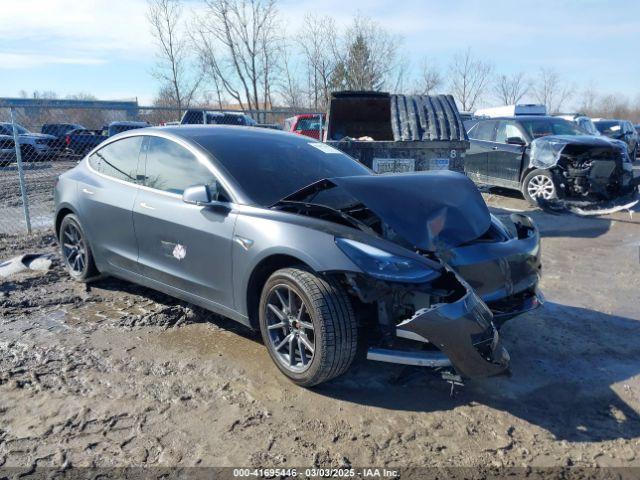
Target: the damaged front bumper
pixel 505 274
pixel 462 331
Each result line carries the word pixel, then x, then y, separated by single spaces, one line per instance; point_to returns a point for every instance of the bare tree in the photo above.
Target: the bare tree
pixel 589 99
pixel 173 69
pixel 291 89
pixel 469 79
pixel 429 79
pixel 368 56
pixel 238 43
pixel 510 89
pixel 550 90
pixel 317 41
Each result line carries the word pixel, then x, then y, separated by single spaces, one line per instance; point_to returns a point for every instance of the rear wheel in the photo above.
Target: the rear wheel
pixel 308 325
pixel 75 250
pixel 539 184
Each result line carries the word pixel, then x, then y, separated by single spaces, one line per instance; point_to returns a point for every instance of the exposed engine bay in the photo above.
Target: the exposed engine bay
pixel 584 167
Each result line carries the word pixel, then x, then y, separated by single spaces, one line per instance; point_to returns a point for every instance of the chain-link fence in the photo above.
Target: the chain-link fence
pixel 38 143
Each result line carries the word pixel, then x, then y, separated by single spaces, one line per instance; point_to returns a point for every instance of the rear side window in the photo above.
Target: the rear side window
pixel 482 131
pixel 172 168
pixel 118 159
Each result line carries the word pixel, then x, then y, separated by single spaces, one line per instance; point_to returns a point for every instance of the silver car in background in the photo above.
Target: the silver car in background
pixel 287 235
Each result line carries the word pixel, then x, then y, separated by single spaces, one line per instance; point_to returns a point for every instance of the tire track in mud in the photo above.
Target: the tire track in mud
pixel 119 375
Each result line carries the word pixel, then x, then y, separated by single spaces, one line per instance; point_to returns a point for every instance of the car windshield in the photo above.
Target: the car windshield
pixel 542 127
pixel 21 130
pixel 608 127
pixel 587 125
pixel 271 166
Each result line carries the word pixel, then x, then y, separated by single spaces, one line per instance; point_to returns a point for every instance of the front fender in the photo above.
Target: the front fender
pixel 257 238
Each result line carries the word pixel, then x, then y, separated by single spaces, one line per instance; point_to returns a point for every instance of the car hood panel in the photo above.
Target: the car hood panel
pixel 431 210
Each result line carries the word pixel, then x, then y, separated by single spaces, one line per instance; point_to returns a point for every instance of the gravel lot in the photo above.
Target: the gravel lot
pixel 118 375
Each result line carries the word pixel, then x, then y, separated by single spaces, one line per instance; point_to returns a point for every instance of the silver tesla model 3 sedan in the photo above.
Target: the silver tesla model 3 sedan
pixel 290 236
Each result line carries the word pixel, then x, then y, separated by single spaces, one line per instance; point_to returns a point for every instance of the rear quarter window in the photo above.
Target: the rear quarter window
pixel 119 159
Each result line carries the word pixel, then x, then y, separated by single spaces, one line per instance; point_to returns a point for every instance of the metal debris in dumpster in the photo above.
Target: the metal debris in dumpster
pixel 398 133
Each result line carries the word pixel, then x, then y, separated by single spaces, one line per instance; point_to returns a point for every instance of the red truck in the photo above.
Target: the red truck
pixel 308 124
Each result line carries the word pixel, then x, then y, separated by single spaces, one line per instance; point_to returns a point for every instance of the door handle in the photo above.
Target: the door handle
pixel 494 148
pixel 87 191
pixel 147 206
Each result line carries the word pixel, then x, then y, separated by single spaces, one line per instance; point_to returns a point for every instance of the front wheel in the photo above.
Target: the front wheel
pixel 75 250
pixel 308 325
pixel 539 184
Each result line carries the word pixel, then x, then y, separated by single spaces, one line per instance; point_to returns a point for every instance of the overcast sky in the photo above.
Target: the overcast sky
pixel 105 48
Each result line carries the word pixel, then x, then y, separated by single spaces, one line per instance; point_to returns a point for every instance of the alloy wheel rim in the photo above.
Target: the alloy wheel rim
pixel 290 328
pixel 541 186
pixel 74 248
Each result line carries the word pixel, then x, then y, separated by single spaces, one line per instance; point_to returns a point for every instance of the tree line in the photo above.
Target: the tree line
pixel 240 53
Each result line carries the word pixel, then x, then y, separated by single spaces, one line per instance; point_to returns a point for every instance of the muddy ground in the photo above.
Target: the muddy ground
pixel 118 375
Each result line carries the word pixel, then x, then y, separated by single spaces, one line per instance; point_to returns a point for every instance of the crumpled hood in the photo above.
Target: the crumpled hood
pixel 546 151
pixel 590 140
pixel 431 210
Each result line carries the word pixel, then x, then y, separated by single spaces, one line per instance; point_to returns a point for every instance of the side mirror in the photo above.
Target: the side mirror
pixel 203 196
pixel 516 141
pixel 197 195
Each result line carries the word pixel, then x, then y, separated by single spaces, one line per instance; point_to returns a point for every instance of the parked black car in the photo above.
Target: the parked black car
pixel 547 157
pixel 620 130
pixel 82 140
pixel 215 117
pixel 59 130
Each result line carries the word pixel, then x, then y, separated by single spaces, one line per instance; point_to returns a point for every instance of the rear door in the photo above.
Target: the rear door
pixel 476 159
pixel 183 246
pixel 505 160
pixel 108 198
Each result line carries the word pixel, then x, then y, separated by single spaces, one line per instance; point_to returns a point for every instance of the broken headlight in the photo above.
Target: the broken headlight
pixel 385 265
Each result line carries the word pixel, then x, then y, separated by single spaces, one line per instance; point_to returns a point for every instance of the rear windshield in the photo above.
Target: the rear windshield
pixel 308 124
pixel 271 166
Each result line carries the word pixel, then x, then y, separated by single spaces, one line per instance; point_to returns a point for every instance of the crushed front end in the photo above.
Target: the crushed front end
pixel 503 266
pixel 585 167
pixel 440 324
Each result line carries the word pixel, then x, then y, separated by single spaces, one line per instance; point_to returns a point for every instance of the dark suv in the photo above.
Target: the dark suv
pixel 547 157
pixel 620 130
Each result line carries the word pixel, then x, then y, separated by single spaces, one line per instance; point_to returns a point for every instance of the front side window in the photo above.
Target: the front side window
pixel 172 168
pixel 507 130
pixel 118 159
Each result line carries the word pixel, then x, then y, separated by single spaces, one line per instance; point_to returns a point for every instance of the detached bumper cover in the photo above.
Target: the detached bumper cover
pixel 463 331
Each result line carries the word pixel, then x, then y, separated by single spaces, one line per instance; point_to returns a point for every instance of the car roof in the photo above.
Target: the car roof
pixel 191 132
pixel 127 123
pixel 522 117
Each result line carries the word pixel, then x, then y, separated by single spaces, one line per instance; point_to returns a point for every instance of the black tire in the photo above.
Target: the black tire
pixel 536 179
pixel 329 309
pixel 81 271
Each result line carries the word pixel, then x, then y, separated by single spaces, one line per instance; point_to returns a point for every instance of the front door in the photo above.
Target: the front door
pixel 505 160
pixel 184 246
